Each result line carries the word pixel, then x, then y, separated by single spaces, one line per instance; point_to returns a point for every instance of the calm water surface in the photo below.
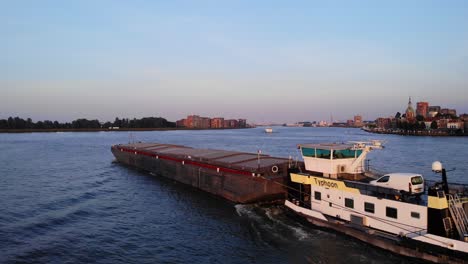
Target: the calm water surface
pixel 63 199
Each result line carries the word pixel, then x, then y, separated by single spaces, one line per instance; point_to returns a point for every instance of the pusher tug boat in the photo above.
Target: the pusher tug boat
pixel 396 211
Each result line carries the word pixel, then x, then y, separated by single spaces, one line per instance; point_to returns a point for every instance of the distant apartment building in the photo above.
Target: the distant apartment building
pixel 422 109
pixel 205 122
pixel 432 111
pixel 384 123
pixel 434 108
pixel 242 123
pixel 358 121
pixel 446 111
pixel 349 122
pixel 195 121
pixel 217 122
pixel 464 118
pixel 233 123
pixel 442 123
pixel 181 123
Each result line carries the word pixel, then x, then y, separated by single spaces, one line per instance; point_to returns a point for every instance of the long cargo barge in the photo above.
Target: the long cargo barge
pixel 236 176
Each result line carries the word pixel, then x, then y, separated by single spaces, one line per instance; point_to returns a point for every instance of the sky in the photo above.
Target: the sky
pixel 266 61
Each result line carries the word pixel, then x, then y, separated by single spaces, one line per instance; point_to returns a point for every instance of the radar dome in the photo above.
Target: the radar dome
pixel 436 166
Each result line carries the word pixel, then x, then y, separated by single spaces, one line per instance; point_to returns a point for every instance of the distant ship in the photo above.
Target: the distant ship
pixel 268 130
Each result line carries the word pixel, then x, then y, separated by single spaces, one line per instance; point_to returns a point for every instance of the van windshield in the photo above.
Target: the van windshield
pixel 384 179
pixel 417 180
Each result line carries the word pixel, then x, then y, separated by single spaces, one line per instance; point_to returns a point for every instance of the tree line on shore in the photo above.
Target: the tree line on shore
pixel 82 123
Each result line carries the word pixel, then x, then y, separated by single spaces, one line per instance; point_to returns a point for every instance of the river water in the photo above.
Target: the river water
pixel 63 199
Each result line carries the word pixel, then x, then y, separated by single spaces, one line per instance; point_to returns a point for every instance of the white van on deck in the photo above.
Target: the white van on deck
pixel 407 182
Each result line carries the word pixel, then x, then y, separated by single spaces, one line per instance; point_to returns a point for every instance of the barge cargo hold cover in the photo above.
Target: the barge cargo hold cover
pixel 236 176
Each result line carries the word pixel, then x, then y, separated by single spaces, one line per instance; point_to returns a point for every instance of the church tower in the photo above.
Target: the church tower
pixel 410 113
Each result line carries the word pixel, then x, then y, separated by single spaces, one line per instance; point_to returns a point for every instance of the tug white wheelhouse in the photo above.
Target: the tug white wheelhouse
pixel 334 159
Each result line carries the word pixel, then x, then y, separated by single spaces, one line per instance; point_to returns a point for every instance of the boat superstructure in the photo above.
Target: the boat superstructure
pixel 337 191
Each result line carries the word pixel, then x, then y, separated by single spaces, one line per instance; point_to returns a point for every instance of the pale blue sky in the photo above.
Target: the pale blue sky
pixel 282 61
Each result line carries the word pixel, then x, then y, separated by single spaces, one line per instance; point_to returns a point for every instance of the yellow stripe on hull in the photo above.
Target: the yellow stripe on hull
pixel 437 203
pixel 322 182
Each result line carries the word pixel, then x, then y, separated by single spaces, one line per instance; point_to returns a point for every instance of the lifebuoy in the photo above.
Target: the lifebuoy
pixel 274 169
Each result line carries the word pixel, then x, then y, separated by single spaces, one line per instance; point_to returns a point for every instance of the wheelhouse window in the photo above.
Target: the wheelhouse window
pixel 415 215
pixel 318 196
pixel 323 153
pixel 369 207
pixel 308 152
pixel 349 203
pixel 384 179
pixel 391 212
pixel 346 153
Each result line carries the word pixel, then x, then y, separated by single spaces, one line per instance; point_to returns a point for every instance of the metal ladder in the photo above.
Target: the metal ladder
pixel 458 214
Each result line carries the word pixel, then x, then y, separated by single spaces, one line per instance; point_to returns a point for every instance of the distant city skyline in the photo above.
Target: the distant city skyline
pixel 263 61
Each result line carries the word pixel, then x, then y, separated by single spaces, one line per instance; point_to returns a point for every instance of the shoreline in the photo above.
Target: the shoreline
pixel 416 133
pixel 55 130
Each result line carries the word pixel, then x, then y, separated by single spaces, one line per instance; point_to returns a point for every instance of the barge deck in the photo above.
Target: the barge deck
pixel 237 176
